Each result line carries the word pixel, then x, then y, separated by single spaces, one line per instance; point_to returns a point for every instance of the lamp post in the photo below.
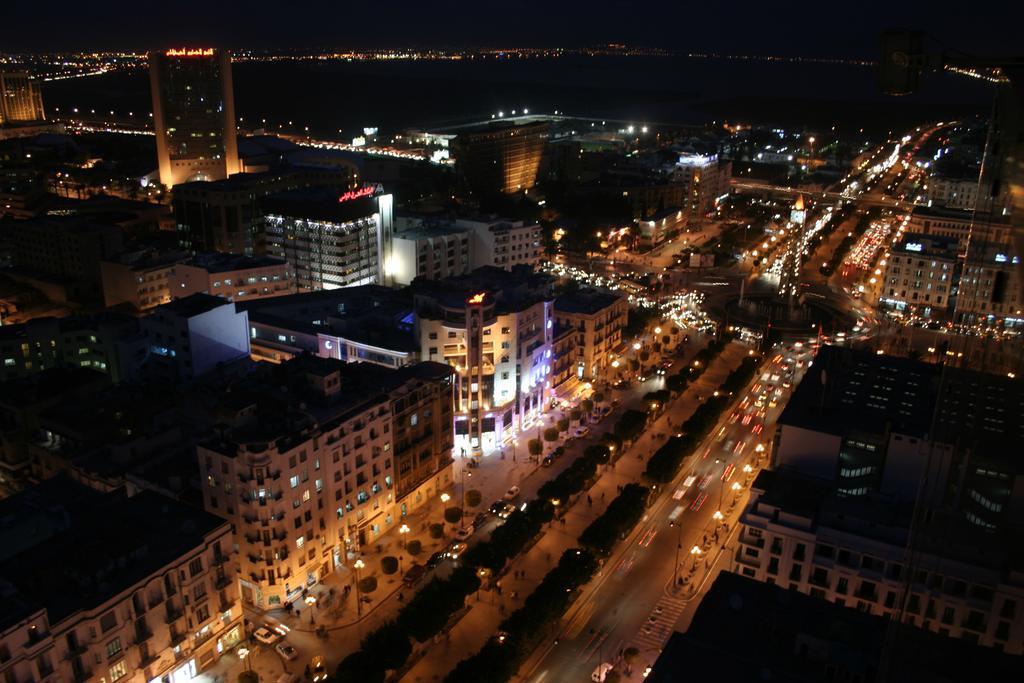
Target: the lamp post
pixel 311 601
pixel 403 530
pixel 679 545
pixel 243 654
pixel 736 491
pixel 748 470
pixel 462 498
pixel 696 552
pixel 718 517
pixel 359 564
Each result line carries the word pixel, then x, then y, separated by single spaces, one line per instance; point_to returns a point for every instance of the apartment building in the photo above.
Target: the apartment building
pixel 964 226
pixel 597 318
pixel 920 274
pixel 152 597
pixel 139 279
pixel 798 532
pixel 503 243
pixel 191 336
pixel 495 328
pixel 318 458
pixel 434 252
pixel 231 276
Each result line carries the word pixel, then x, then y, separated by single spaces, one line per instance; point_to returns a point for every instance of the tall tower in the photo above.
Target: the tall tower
pixel 789 277
pixel 20 98
pixel 193 115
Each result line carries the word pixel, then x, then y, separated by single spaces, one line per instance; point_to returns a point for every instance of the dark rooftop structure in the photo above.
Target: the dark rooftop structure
pixel 217 262
pixel 318 204
pixel 746 630
pixel 193 305
pixel 847 390
pixel 110 543
pixel 512 290
pixel 586 301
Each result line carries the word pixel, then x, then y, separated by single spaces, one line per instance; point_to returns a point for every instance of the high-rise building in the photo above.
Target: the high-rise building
pixel 193 115
pixel 331 240
pixel 500 157
pixel 20 98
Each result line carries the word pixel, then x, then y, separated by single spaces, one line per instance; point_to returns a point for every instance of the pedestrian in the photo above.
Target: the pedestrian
pixel 590 501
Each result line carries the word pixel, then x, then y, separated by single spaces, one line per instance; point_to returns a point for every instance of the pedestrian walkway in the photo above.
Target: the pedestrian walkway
pixel 660 624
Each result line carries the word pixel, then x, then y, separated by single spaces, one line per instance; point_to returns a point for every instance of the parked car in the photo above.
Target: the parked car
pixel 548 461
pixel 513 491
pixel 465 532
pixel 480 519
pixel 266 636
pixel 581 432
pixel 456 549
pixel 318 668
pixel 507 510
pixel 286 651
pixel 435 559
pixel 497 507
pixel 414 574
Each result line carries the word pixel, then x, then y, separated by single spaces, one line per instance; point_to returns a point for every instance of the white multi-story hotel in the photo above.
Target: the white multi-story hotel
pixel 320 458
pixel 331 240
pixel 495 329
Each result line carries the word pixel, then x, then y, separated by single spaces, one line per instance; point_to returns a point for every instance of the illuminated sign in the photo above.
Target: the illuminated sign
pixel 914 246
pixel 190 52
pixel 476 298
pixel 1000 258
pixel 366 191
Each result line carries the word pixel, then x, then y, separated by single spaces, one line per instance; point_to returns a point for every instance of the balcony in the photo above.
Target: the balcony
pixel 222 581
pixel 177 638
pixel 142 634
pixel 173 614
pixel 81 675
pixel 219 559
pixel 148 658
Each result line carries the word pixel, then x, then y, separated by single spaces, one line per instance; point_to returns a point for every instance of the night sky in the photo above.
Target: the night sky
pixel 824 28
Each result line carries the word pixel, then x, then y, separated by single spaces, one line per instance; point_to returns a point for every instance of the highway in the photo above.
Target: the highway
pixel 641 593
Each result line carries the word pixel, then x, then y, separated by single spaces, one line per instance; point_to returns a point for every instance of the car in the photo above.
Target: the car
pixel 435 559
pixel 266 635
pixel 581 432
pixel 465 532
pixel 414 574
pixel 498 506
pixel 507 510
pixel 548 461
pixel 601 672
pixel 286 651
pixel 318 668
pixel 480 519
pixel 456 549
pixel 512 493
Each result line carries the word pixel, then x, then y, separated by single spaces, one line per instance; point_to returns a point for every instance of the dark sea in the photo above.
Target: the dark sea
pixel 393 95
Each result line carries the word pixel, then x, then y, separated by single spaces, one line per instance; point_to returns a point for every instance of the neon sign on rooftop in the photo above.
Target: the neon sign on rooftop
pixel 190 52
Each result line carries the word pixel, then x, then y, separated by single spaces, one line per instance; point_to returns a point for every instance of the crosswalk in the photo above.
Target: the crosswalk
pixel 659 624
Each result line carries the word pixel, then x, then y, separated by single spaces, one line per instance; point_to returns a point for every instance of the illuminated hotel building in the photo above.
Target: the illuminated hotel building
pixel 20 98
pixel 331 240
pixel 193 115
pixel 306 488
pixel 492 158
pixel 495 329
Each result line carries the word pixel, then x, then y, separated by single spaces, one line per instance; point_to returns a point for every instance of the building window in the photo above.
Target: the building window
pixel 119 670
pixel 114 647
pixel 195 566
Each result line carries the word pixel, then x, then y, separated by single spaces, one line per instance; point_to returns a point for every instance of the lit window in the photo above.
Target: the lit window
pixel 300 541
pixel 118 671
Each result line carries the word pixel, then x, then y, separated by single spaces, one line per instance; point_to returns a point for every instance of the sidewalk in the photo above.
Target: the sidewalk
pixel 482 621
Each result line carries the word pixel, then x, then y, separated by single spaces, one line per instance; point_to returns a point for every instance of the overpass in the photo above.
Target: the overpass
pixel 764 188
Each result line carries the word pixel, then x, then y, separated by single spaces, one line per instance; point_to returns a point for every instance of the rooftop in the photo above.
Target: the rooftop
pixel 217 262
pixel 319 204
pixel 847 391
pixel 746 630
pixel 115 543
pixel 958 214
pixel 193 305
pixel 586 301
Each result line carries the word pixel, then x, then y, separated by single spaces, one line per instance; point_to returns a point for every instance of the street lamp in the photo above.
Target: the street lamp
pixel 462 499
pixel 445 497
pixel 747 470
pixel 657 330
pixel 311 601
pixel 718 517
pixel 403 530
pixel 679 545
pixel 636 346
pixel 736 490
pixel 243 654
pixel 358 564
pixel 696 552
